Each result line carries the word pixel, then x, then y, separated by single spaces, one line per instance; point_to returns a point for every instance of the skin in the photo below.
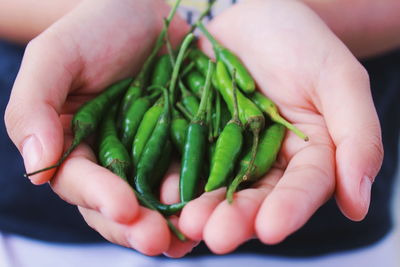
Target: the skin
pixel 367 27
pixel 32 116
pixel 344 153
pixel 75 77
pixel 14 16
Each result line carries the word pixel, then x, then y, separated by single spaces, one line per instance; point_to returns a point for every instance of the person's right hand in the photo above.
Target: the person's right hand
pixel 96 44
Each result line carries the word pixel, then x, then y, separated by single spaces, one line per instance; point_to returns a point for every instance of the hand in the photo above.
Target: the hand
pixel 96 44
pixel 320 87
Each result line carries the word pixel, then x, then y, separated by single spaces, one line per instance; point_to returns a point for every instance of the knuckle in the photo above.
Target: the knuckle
pixel 377 150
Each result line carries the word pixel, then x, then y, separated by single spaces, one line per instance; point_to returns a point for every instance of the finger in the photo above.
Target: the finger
pixel 169 191
pixel 178 248
pixel 230 225
pixel 355 131
pixel 32 113
pixel 80 181
pixel 196 213
pixel 306 184
pixel 149 233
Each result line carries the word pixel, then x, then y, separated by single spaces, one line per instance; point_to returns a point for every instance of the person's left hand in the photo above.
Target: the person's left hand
pixel 320 87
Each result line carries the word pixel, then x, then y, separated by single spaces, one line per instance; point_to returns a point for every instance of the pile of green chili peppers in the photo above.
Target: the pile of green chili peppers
pixel 183 107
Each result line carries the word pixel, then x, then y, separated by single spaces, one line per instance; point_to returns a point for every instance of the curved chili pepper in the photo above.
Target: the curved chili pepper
pixel 151 154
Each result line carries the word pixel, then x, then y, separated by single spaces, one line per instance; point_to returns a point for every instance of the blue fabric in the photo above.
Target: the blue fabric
pixel 37 212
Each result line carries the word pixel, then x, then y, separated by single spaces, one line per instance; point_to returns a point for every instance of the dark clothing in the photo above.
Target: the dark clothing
pixel 38 213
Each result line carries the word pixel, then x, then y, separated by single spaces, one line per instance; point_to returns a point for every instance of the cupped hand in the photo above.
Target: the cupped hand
pixel 320 87
pixel 96 44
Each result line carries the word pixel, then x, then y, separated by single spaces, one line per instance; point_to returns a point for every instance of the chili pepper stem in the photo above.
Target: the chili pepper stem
pixel 175 73
pixel 201 113
pixel 176 231
pixel 184 111
pixel 279 119
pixel 159 43
pixel 234 185
pixel 203 14
pixel 187 69
pixel 74 144
pixel 171 226
pixel 256 134
pixel 211 38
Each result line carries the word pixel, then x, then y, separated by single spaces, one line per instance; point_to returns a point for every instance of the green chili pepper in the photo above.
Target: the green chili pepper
pixel 227 150
pixel 200 60
pixel 179 127
pixel 270 143
pixel 152 154
pixel 232 62
pixel 195 146
pixel 195 82
pixel 145 130
pixel 131 121
pixel 269 108
pixel 216 116
pixel 112 153
pixel 88 117
pixel 162 71
pixel 189 101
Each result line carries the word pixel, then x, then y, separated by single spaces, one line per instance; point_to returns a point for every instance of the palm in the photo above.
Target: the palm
pixel 298 63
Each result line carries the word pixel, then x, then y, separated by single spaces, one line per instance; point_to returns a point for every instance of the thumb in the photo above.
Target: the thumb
pixel 32 114
pixel 352 121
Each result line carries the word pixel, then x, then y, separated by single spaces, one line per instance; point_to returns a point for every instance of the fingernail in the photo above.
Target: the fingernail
pixel 31 152
pixel 365 191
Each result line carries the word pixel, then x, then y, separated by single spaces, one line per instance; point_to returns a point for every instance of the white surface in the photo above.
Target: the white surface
pixel 21 252
pixel 396 211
